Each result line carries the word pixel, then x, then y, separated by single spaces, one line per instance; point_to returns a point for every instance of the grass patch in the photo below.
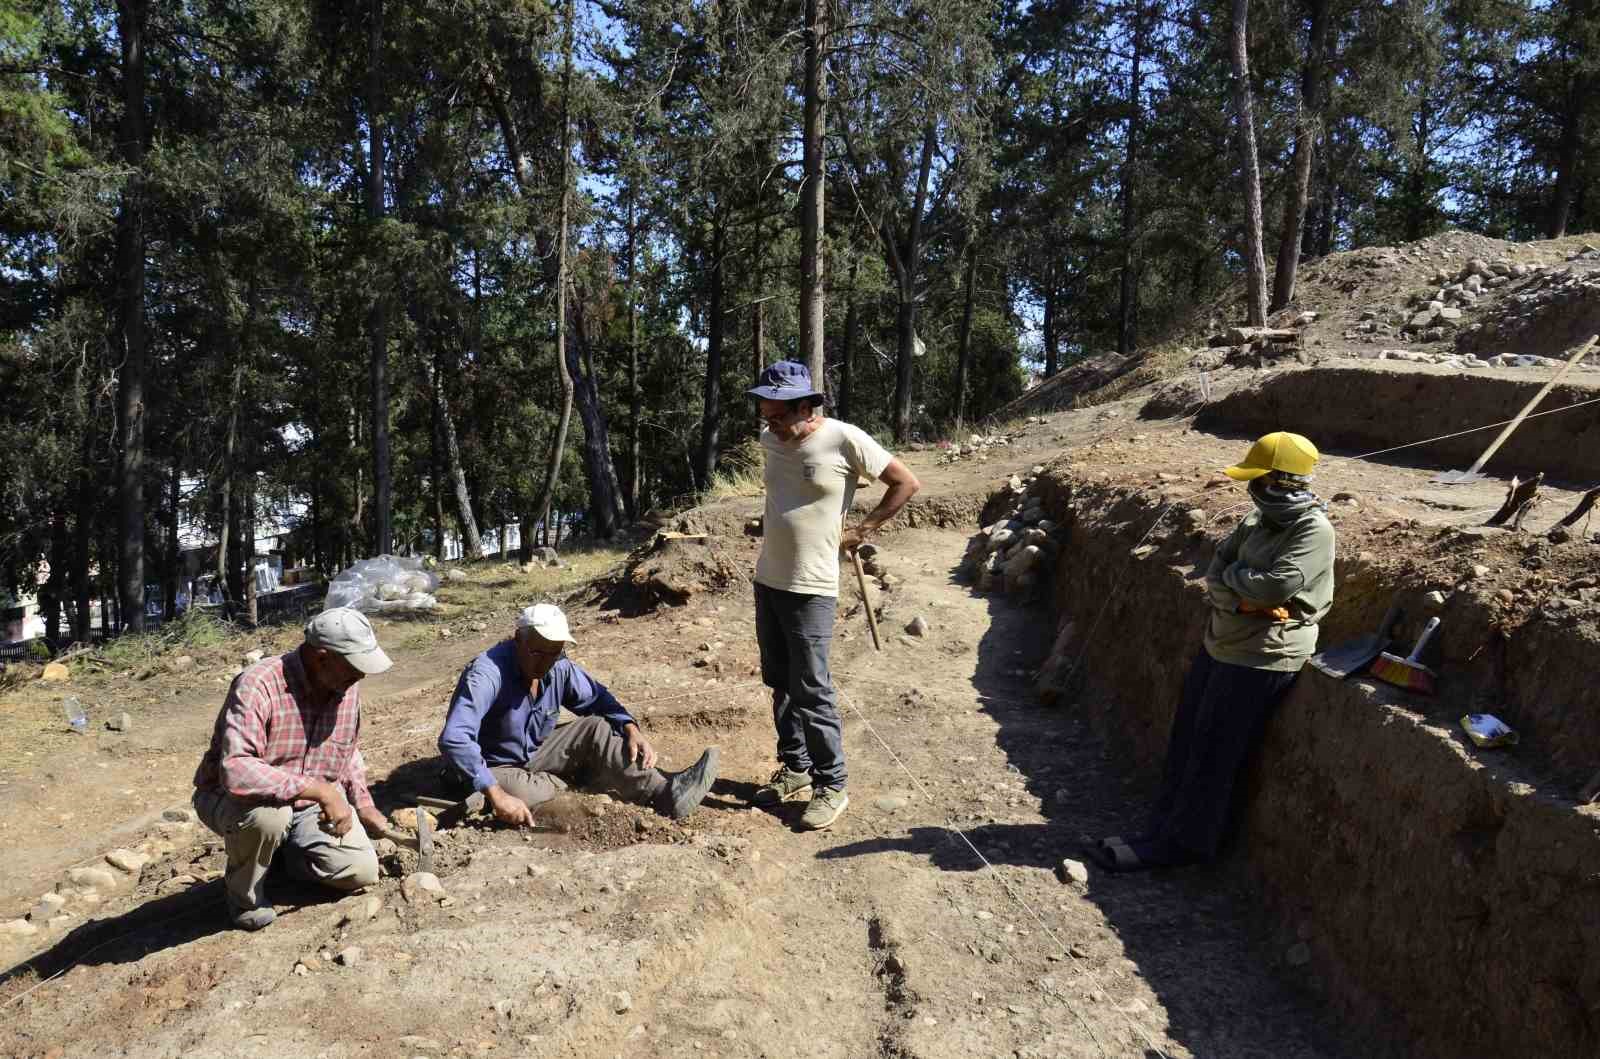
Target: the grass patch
pixel 195 631
pixel 739 473
pixel 1156 363
pixel 499 589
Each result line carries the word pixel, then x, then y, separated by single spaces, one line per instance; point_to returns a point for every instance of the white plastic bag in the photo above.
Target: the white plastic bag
pixel 384 584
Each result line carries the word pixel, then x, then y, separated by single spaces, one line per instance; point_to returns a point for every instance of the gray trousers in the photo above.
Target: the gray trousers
pixel 253 835
pixel 588 753
pixel 794 632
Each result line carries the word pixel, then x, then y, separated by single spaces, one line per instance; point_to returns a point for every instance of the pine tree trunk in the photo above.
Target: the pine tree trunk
pixel 247 546
pixel 471 542
pixel 377 315
pixel 1255 261
pixel 605 491
pixel 758 340
pixel 1128 301
pixel 1568 158
pixel 811 195
pixel 436 454
pixel 635 397
pixel 905 326
pixel 964 347
pixel 1052 341
pixel 847 355
pixel 711 405
pixel 907 268
pixel 558 444
pixel 83 521
pixel 131 17
pixel 169 602
pixel 230 442
pixel 54 593
pixel 1305 141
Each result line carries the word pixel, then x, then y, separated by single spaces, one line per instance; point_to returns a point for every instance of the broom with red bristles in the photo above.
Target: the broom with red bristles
pixel 1408 672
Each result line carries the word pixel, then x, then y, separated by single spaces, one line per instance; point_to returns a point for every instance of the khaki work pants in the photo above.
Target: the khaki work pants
pixel 255 833
pixel 588 753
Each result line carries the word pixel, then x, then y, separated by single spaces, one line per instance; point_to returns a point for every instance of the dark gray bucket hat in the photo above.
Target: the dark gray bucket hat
pixel 787 380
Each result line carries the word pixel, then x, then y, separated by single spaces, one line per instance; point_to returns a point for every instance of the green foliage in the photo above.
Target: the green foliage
pixel 262 268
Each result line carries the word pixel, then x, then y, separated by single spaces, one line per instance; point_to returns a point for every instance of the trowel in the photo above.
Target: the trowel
pixel 1347 658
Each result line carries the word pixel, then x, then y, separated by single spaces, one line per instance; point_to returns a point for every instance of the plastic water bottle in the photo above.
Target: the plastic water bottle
pixel 78 719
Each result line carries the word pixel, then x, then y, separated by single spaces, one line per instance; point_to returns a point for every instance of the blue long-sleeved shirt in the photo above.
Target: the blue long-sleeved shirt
pixel 493 720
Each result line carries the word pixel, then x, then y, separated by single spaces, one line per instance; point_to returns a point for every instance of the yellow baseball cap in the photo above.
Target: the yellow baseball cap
pixel 1278 451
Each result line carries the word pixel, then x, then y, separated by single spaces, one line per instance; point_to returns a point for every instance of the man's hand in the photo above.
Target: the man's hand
pixel 336 815
pixel 637 747
pixel 508 808
pixel 373 822
pixel 1275 613
pixel 854 537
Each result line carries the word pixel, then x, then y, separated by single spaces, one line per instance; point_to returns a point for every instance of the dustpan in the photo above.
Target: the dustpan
pixel 1347 658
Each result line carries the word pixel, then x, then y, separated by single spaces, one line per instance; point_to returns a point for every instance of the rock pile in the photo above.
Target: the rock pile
pixel 1555 310
pixel 977 447
pixel 1018 552
pixel 1469 362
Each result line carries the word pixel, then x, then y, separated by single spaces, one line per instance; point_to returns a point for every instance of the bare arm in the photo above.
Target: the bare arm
pixel 903 485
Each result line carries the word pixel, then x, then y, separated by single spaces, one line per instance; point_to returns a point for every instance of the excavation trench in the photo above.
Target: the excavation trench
pixel 1444 892
pixel 1374 405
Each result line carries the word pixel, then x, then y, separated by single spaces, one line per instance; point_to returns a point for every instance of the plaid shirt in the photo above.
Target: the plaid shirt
pixel 273 737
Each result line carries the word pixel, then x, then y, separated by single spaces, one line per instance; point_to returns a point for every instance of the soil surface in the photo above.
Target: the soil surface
pixel 936 918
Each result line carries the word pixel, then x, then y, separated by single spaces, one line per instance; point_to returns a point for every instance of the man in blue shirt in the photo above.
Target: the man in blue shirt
pixel 500 734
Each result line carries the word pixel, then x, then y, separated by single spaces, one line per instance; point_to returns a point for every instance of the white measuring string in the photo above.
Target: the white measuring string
pixel 1077 966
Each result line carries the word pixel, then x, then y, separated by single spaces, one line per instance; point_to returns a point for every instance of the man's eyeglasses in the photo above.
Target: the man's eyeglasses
pixel 782 417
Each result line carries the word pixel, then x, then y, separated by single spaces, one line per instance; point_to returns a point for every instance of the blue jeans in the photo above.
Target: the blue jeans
pixel 794 632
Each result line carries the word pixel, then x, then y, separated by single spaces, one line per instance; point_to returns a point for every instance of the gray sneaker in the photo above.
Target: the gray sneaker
pixel 784 784
pixel 688 789
pixel 251 918
pixel 826 805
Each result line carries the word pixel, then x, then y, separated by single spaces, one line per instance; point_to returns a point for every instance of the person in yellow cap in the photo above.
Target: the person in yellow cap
pixel 1269 583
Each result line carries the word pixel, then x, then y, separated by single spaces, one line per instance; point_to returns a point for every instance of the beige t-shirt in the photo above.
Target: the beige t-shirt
pixel 810 485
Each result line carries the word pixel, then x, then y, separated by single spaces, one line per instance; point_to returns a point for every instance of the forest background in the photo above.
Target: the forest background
pixel 393 273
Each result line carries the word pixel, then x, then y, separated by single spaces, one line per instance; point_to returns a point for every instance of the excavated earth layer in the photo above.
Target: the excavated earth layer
pixel 1438 887
pixel 1375 406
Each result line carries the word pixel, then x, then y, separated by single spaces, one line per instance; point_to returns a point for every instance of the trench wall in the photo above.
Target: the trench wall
pixel 1370 408
pixel 1449 891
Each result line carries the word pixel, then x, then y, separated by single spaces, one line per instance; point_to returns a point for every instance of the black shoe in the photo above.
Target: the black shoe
pixel 687 789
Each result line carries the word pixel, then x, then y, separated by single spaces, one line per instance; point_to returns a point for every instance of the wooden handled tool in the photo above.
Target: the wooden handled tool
pixel 866 600
pixel 1471 473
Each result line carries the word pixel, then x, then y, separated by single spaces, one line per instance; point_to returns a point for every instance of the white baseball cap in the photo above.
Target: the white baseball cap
pixel 347 632
pixel 547 620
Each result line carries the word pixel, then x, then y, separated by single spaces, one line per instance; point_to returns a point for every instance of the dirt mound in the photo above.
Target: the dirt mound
pixel 1446 299
pixel 676 565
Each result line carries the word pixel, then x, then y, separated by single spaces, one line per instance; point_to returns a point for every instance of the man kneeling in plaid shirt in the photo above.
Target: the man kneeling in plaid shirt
pixel 284 770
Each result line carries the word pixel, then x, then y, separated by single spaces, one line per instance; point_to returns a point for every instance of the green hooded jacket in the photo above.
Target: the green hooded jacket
pixel 1272 563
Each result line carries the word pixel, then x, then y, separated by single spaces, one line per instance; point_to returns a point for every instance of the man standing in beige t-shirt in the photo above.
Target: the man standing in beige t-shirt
pixel 811 467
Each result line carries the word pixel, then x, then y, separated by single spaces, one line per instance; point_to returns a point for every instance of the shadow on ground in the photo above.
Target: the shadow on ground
pixel 156 925
pixel 1195 934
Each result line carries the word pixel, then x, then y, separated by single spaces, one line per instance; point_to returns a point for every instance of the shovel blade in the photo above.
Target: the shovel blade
pixel 1457 477
pixel 424 840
